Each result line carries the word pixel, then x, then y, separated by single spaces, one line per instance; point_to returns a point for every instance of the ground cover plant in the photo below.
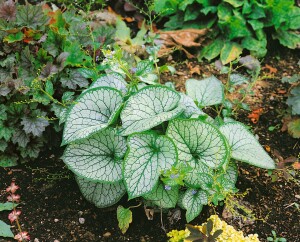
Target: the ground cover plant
pixel 155 144
pixel 41 53
pixel 236 25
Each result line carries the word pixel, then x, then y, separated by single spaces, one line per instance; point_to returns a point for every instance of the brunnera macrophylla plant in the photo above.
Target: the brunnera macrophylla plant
pixel 156 145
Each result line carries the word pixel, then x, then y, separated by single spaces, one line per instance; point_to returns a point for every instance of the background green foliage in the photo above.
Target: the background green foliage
pixel 42 54
pixel 235 24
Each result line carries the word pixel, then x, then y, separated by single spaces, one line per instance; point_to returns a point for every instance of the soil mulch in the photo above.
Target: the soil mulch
pixel 54 209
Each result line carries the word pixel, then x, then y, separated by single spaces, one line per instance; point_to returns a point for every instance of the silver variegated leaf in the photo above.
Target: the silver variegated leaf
pixel 197 142
pixel 193 202
pixel 245 147
pixel 200 176
pixel 206 92
pixel 93 111
pixel 190 108
pixel 101 194
pixel 98 157
pixel 114 80
pixel 149 154
pixel 148 108
pixel 228 178
pixel 163 197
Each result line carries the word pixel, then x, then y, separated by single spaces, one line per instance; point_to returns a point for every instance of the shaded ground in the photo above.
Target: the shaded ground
pixel 52 204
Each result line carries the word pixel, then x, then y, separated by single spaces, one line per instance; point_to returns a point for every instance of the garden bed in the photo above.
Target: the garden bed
pixel 54 209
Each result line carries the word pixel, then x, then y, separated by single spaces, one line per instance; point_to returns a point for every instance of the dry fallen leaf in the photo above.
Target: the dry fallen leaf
pixel 193 69
pixel 180 39
pixel 254 116
pixel 272 70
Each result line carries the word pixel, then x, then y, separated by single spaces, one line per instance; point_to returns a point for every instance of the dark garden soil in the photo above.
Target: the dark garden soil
pixel 53 207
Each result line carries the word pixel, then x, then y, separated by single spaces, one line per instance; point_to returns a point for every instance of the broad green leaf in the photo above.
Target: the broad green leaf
pixel 122 31
pixel 183 4
pixel 32 150
pixel 34 125
pixel 224 12
pixel 206 92
pixel 97 158
pixel 257 11
pixel 190 108
pixel 191 13
pixel 294 100
pixel 3 145
pixel 73 80
pixel 3 109
pixel 20 138
pixel 294 128
pixel 31 16
pixel 258 48
pixel 256 24
pixel 287 38
pixel 235 3
pixel 148 108
pixel 5 230
pixel 49 87
pixel 163 196
pixel 8 161
pixel 88 73
pixel 198 142
pixel 245 147
pixel 6 132
pixel 76 56
pixel 101 194
pixel 212 50
pixel 93 111
pixel 11 38
pixel 138 40
pixel 124 216
pixel 8 206
pixel 149 154
pixel 54 43
pixel 193 201
pixel 230 52
pixel 113 80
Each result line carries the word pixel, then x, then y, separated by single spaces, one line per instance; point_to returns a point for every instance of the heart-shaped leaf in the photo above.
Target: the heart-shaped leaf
pixel 114 80
pixel 245 147
pixel 163 196
pixel 148 108
pixel 97 158
pixel 93 111
pixel 101 194
pixel 198 141
pixel 5 230
pixel 193 202
pixel 149 154
pixel 190 108
pixel 206 92
pixel 124 216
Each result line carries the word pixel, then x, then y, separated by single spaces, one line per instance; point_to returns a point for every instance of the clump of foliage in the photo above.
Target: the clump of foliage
pixel 43 53
pixel 294 102
pixel 214 230
pixel 236 25
pixel 153 143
